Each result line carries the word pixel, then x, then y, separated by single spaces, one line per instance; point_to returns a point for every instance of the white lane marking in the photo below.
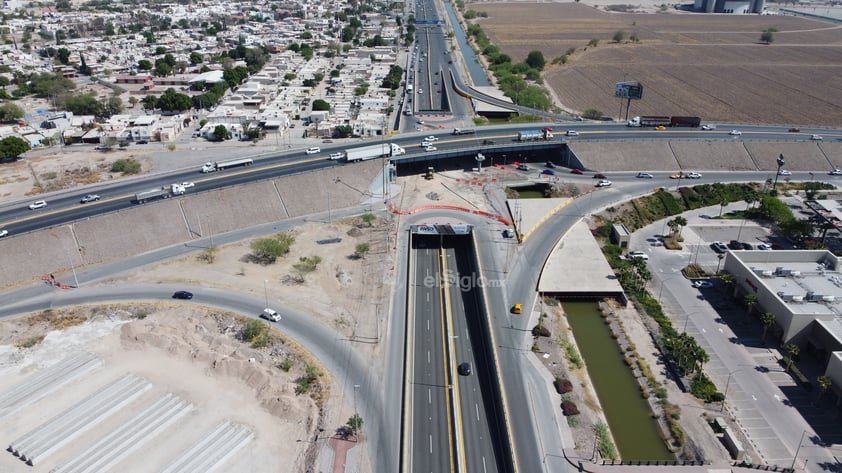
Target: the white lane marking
pixel 704 331
pixel 429 396
pixel 777 398
pixel 484 467
pixel 428 325
pixel 721 331
pixel 752 396
pixel 428 297
pixel 428 356
pixel 431 443
pixel 476 408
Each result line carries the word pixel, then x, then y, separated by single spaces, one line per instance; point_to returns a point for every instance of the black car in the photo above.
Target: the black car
pixel 142 142
pixel 182 295
pixel 550 164
pixel 464 369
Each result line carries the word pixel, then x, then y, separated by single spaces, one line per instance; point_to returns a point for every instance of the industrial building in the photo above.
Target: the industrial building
pixel 736 7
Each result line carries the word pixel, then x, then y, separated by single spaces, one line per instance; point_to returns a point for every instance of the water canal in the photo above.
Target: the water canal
pixel 627 413
pixel 475 68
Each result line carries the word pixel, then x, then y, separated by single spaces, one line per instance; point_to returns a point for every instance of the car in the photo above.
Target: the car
pixel 438 91
pixel 102 148
pixel 3 233
pixel 488 142
pixel 702 284
pixel 735 133
pixel 89 198
pixel 637 254
pixel 420 91
pixel 430 148
pixel 548 172
pixel 572 133
pixel 764 247
pixel 464 369
pixel 816 137
pixel 599 175
pixel 270 314
pixel 604 183
pixel 677 176
pixel 735 245
pixel 508 233
pixel 645 175
pixel 547 128
pixel 517 308
pixel 693 175
pixel 313 150
pixel 660 128
pixel 431 138
pixel 407 112
pixel 522 167
pixel 719 247
pixel 450 62
pixel 550 164
pixel 794 130
pixel 747 246
pixel 182 295
pixel 188 184
pixel 784 172
pixel 708 127
pixel 421 122
pixel 142 142
pixel 835 172
pixel 38 204
pixel 424 144
pixel 577 171
pixel 335 156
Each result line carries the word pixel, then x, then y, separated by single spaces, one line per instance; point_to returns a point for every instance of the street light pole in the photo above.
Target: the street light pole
pixel 266 291
pixel 781 162
pixel 798 449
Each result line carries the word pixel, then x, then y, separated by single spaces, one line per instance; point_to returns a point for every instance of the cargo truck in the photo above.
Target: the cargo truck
pixel 665 121
pixel 534 135
pixel 382 150
pixel 163 192
pixel 463 131
pixel 220 165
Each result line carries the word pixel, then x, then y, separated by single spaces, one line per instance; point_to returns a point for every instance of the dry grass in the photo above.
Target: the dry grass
pixel 710 66
pixel 56 321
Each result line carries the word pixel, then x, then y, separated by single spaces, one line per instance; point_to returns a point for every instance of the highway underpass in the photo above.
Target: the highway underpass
pixel 452 421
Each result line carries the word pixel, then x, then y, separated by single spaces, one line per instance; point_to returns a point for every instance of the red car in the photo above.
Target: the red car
pixel 576 171
pixel 546 129
pixel 599 176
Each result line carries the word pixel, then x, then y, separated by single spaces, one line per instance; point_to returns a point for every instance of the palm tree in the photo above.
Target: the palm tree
pixel 824 383
pixel 793 350
pixel 673 227
pixel 727 280
pixel 750 301
pixel 768 320
pixel 681 222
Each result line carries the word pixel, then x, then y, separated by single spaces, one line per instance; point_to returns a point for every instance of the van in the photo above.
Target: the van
pixel 270 314
pixel 517 309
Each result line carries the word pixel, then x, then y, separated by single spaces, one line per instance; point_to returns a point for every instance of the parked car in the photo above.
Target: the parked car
pixel 550 164
pixel 603 183
pixel 747 245
pixel 645 175
pixel 522 167
pixel 637 254
pixel 719 247
pixel 702 284
pixel 548 172
pixel 764 247
pixel 735 133
pixel 735 245
pixel 89 198
pixel 576 171
pixel 182 295
pixel 313 150
pixel 142 142
pixel 38 204
pixel 693 175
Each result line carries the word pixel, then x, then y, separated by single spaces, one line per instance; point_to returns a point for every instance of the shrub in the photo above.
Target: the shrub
pixel 703 388
pixel 252 329
pixel 569 408
pixel 540 331
pixel 563 385
pixel 285 365
pixel 126 166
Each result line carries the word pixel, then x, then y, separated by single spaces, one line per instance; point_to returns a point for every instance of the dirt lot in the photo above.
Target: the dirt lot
pixel 683 61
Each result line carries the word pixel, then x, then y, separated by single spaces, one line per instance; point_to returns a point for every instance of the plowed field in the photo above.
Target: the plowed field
pixel 712 66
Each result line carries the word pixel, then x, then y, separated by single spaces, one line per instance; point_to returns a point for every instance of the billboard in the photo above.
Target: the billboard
pixel 628 90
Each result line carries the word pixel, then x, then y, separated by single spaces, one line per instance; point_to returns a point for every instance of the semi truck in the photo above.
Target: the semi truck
pixel 534 135
pixel 220 165
pixel 163 192
pixel 463 131
pixel 382 150
pixel 665 121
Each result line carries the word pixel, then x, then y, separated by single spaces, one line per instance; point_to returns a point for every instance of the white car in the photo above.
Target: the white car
pixel 572 133
pixel 764 247
pixel 784 172
pixel 89 198
pixel 816 137
pixel 420 91
pixel 430 148
pixel 735 132
pixel 3 233
pixel 637 254
pixel 335 156
pixel 603 183
pixel 188 184
pixel 702 284
pixel 424 144
pixel 835 172
pixel 313 150
pixel 270 314
pixel 645 175
pixel 38 205
pixel 708 127
pixel 693 175
pixel 431 139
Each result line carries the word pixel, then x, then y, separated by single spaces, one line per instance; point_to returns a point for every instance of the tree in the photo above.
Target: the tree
pixel 12 147
pixel 368 218
pixel 536 60
pixel 792 350
pixel 768 320
pixel 824 383
pixel 162 69
pixel 268 250
pixel 195 58
pixel 319 105
pixel 592 114
pixel 144 65
pixel 750 301
pixel 172 101
pixel 767 36
pixel 220 133
pixel 619 36
pixel 355 423
pixel 593 43
pixel 10 112
pixel 361 250
pixel 680 222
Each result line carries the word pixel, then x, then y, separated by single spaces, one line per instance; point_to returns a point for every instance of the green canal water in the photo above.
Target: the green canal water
pixel 628 414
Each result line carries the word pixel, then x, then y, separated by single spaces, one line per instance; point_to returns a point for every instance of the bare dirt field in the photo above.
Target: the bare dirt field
pixel 712 66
